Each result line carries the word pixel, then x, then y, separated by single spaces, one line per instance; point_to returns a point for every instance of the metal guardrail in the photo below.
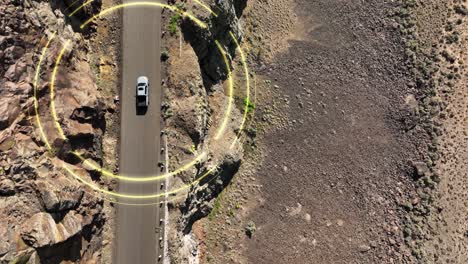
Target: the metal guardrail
pixel 166 259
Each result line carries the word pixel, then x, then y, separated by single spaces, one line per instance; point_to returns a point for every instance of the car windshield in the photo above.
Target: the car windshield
pixel 141 84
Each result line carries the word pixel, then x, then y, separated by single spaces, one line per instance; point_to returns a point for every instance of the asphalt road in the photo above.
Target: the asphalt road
pixel 136 238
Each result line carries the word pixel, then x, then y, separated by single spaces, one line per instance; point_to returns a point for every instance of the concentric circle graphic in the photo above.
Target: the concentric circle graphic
pixel 136 178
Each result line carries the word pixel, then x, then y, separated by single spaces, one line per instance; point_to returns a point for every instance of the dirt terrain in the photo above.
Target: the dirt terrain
pixel 345 164
pixel 340 166
pixel 337 163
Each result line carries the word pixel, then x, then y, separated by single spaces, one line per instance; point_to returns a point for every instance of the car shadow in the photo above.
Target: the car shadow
pixel 141 110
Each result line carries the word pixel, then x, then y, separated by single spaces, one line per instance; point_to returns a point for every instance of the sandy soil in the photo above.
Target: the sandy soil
pixel 447 226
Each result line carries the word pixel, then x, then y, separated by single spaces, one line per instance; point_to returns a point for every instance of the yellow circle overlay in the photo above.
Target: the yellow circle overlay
pixel 134 178
pixel 147 178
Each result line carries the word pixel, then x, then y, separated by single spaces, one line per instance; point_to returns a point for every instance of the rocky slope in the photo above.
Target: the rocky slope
pixel 224 21
pixel 46 215
pixel 196 101
pixel 360 137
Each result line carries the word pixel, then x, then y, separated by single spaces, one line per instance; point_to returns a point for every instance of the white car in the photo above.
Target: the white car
pixel 142 91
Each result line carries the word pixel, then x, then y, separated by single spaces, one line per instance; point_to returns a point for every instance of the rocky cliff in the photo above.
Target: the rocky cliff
pixel 46 215
pixel 224 20
pixel 196 105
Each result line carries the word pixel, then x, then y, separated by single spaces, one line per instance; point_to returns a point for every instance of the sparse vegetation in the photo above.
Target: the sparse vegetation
pixel 217 207
pixel 174 23
pixel 459 9
pixel 164 55
pixel 52 152
pixel 449 57
pixel 250 229
pixel 167 112
pixel 250 106
pixel 251 132
pixel 436 77
pixel 453 38
pixel 231 212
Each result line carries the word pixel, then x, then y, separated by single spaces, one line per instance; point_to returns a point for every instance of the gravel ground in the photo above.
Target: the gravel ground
pixel 334 175
pixel 359 140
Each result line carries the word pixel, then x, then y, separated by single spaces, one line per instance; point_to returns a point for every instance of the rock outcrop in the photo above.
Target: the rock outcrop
pixel 41 230
pixel 9 111
pixel 195 110
pixel 46 215
pixel 59 195
pixel 7 187
pixel 199 202
pixel 219 28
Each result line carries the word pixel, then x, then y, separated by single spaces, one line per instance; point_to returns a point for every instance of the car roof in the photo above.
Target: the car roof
pixel 142 79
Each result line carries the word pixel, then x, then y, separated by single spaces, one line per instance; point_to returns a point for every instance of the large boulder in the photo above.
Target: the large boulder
pixel 189 118
pixel 70 225
pixel 13 53
pixel 78 130
pixel 77 97
pixel 4 245
pixel 41 230
pixel 16 71
pixel 24 146
pixel 60 195
pixel 69 99
pixel 21 88
pixel 7 187
pixel 9 111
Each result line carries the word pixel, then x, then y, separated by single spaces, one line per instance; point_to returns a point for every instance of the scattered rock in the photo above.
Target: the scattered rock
pixel 340 222
pixel 293 211
pixel 308 218
pixel 9 111
pixel 4 245
pixel 421 169
pixel 364 248
pixel 16 70
pixel 7 187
